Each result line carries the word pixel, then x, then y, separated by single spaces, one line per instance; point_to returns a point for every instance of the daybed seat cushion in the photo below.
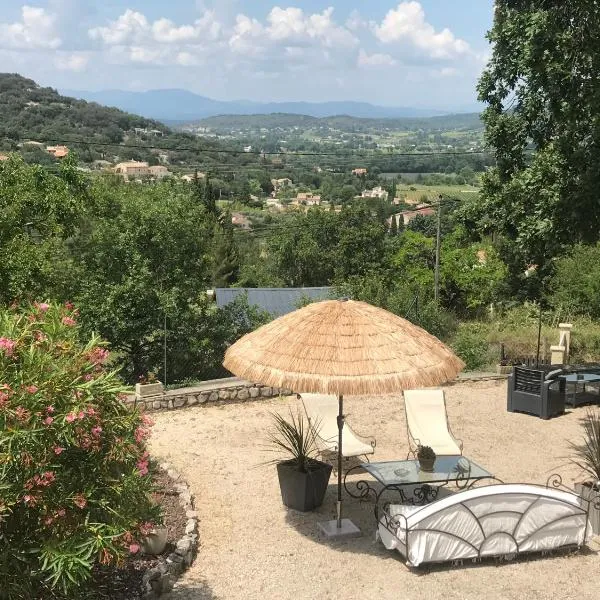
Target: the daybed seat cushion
pixel 489 521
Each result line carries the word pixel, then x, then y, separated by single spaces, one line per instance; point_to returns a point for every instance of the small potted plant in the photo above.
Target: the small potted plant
pixel 303 479
pixel 426 457
pixel 586 455
pixel 148 386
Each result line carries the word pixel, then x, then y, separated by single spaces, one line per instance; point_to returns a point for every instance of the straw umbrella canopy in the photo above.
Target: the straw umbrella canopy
pixel 342 347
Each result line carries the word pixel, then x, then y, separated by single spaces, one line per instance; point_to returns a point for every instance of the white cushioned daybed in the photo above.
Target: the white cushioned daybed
pixel 495 520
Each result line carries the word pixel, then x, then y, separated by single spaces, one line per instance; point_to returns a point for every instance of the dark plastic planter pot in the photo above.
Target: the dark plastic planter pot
pixel 303 491
pixel 427 464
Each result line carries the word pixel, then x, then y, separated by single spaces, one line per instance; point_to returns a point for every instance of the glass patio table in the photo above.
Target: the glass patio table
pixel 414 485
pixel 576 397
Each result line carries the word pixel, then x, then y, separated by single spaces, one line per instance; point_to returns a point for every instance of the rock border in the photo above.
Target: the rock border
pixel 160 579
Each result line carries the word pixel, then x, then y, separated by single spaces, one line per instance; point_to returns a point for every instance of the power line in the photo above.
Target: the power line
pixel 64 141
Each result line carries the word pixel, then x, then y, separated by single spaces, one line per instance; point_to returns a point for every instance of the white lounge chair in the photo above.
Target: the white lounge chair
pixel 497 520
pixel 322 412
pixel 427 423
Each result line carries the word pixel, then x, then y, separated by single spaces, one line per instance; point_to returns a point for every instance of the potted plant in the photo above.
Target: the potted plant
pixel 303 479
pixel 426 457
pixel 586 455
pixel 148 386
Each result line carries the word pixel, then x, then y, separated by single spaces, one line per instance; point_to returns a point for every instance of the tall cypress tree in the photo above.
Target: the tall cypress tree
pixel 394 226
pixel 227 258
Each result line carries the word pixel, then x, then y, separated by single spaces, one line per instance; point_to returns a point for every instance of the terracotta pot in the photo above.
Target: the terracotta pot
pixel 155 542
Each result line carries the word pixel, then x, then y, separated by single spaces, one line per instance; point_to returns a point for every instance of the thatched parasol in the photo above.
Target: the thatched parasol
pixel 342 347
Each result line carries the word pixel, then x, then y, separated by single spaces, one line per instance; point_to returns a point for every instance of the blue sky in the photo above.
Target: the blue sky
pixel 426 53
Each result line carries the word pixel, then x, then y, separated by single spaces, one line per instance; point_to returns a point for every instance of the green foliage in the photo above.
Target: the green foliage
pixel 74 468
pixel 39 212
pixel 575 286
pixel 472 277
pixel 586 454
pixel 227 260
pixel 542 90
pixel 296 438
pixel 471 345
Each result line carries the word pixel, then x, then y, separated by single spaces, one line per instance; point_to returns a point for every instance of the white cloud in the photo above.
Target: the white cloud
pixel 71 61
pixel 133 28
pixel 375 60
pixel 406 26
pixel 37 29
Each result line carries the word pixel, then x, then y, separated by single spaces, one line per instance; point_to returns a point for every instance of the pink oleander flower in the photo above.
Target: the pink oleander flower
pixel 134 548
pixel 88 377
pixel 31 389
pixel 43 306
pixel 96 430
pixel 58 450
pixel 7 346
pixel 142 467
pixel 146 528
pixel 146 420
pixel 3 399
pixel 70 417
pixel 140 434
pixel 90 411
pixel 50 409
pixel 48 478
pixel 80 501
pixel 98 356
pixel 48 520
pixel 81 415
pixel 69 305
pixel 68 321
pixel 61 512
pixel 48 420
pixel 22 414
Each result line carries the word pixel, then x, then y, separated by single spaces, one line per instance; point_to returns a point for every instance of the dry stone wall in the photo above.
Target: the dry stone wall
pixel 153 398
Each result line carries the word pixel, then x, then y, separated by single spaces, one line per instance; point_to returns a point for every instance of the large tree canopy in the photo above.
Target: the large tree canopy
pixel 543 122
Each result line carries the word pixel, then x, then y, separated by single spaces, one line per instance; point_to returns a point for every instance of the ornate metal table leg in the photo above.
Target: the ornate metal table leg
pixel 363 488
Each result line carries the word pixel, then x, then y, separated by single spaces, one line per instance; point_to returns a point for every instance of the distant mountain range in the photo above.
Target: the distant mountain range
pixel 181 105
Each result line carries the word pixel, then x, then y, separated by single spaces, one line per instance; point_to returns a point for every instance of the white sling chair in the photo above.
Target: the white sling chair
pixel 427 423
pixel 322 412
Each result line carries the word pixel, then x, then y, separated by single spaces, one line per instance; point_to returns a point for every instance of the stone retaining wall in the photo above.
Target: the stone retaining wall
pixel 217 390
pixel 160 579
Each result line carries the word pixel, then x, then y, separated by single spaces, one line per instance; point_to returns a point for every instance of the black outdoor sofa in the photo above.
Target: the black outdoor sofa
pixel 540 391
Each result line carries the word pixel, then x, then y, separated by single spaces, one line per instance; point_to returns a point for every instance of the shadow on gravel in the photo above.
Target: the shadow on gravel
pixel 191 591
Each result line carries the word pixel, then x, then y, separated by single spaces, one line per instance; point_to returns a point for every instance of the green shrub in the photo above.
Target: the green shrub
pixel 470 343
pixel 75 483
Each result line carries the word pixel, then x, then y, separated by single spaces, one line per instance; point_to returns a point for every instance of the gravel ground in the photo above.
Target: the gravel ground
pixel 254 548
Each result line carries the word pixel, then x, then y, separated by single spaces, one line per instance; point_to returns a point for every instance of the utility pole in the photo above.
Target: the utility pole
pixel 437 250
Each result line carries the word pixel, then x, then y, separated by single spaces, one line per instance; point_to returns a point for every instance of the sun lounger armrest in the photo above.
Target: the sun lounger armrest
pixel 367 439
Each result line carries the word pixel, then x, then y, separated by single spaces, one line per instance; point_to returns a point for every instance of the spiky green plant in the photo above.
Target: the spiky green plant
pixel 426 453
pixel 587 453
pixel 295 437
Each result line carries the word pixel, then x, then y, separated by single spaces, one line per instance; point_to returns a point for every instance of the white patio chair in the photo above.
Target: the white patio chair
pixel 322 412
pixel 427 423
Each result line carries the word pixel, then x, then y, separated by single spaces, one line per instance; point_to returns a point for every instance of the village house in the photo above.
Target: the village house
pixel 241 221
pixel 280 184
pixel 360 171
pixel 190 177
pixel 3 157
pixel 57 151
pixel 306 199
pixel 408 215
pixel 132 169
pixel 158 171
pixel 377 192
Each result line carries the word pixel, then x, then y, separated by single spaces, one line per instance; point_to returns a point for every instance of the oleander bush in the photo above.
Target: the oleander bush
pixel 74 470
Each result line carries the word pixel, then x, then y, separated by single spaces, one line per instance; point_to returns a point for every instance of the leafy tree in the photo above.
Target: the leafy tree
pixel 575 286
pixel 227 260
pixel 542 91
pixel 39 212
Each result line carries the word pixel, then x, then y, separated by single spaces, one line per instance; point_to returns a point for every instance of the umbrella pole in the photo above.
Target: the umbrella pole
pixel 340 422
